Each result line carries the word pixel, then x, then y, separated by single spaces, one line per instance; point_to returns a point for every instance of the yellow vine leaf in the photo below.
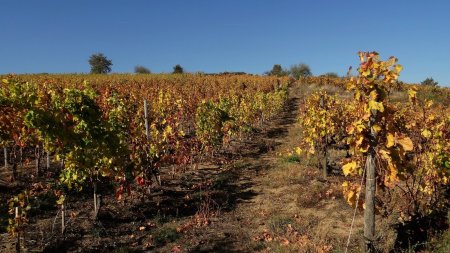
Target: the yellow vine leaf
pixel 391 61
pixel 350 85
pixel 349 168
pixel 351 197
pixel 350 129
pixel 357 95
pixel 374 105
pixel 390 140
pixel 364 148
pixel 366 73
pixel 398 68
pixel 412 92
pixel 426 133
pixel 391 178
pixel 359 140
pixel 373 94
pixel 345 185
pixel 360 127
pixel 385 155
pixel 376 128
pixel 406 143
pixel 361 57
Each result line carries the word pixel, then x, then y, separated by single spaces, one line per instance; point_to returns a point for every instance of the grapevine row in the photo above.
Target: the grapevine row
pixel 402 148
pixel 124 128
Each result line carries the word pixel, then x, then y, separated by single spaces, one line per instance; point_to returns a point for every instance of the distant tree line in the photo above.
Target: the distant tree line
pixel 100 64
pixel 330 74
pixel 296 71
pixel 429 82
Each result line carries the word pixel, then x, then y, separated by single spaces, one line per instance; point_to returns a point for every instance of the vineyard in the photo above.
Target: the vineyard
pixel 120 132
pixel 224 163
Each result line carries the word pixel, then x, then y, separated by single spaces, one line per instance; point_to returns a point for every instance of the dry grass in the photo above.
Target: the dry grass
pixel 306 213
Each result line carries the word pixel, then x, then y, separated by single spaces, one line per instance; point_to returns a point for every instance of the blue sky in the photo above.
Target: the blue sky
pixel 214 36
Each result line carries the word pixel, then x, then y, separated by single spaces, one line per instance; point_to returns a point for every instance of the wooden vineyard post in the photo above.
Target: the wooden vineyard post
pixel 369 211
pixel 5 154
pixel 324 160
pixel 63 218
pixel 95 200
pixel 21 157
pixel 48 161
pixel 99 198
pixel 14 165
pixel 146 127
pixel 17 217
pixel 146 118
pixel 38 156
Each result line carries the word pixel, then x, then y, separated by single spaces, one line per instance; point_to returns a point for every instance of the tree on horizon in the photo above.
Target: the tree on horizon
pixel 300 70
pixel 141 70
pixel 278 71
pixel 100 64
pixel 178 69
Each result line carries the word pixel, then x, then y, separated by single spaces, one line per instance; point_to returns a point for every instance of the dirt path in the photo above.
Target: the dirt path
pixel 233 231
pixel 278 205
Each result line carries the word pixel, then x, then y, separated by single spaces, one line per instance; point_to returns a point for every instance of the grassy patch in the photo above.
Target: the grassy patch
pixel 310 195
pixel 161 218
pixel 165 235
pixel 293 158
pixel 98 232
pixel 278 224
pixel 43 202
pixel 223 180
pixel 443 245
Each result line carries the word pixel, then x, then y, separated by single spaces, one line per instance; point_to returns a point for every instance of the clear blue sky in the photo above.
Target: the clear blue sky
pixel 234 35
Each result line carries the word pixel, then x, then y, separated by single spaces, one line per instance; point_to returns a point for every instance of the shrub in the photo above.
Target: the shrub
pixel 141 70
pixel 300 70
pixel 429 82
pixel 277 70
pixel 330 74
pixel 177 69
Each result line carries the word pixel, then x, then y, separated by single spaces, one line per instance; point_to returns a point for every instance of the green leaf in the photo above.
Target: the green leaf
pixel 61 199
